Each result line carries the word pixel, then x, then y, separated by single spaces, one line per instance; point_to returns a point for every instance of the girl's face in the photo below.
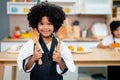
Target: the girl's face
pixel 117 32
pixel 45 27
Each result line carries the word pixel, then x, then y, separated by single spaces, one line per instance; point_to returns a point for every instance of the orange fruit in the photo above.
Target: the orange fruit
pixel 116 45
pixel 71 48
pixel 80 48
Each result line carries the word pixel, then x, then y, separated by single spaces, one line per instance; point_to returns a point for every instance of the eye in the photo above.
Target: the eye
pixel 40 23
pixel 49 24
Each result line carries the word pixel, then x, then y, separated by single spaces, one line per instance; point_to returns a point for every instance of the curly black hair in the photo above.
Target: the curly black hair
pixel 54 13
pixel 114 25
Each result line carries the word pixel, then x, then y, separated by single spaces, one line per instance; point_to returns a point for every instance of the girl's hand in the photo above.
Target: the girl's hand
pixel 56 56
pixel 111 46
pixel 37 53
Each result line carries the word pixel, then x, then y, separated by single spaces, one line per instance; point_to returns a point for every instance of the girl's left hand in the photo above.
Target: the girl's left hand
pixel 56 56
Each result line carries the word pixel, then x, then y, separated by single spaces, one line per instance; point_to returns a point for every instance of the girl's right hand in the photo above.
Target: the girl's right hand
pixel 37 53
pixel 111 46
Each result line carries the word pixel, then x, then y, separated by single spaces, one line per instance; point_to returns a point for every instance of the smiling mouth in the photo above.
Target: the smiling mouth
pixel 45 32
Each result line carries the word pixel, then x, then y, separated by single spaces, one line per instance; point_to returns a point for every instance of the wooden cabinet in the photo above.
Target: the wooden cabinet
pixel 116 10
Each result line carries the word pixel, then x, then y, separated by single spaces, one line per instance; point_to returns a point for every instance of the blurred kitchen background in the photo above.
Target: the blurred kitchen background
pixel 87 22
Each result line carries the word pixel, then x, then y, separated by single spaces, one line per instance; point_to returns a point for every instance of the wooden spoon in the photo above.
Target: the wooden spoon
pixel 35 38
pixel 61 34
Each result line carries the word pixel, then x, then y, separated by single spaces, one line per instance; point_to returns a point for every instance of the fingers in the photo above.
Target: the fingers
pixel 37 47
pixel 56 56
pixel 37 53
pixel 56 51
pixel 40 55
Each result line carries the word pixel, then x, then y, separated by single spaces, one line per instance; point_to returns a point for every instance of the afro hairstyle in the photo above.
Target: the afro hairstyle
pixel 114 25
pixel 55 15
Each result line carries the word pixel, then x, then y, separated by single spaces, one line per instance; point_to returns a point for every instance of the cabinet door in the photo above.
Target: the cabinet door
pixel 97 7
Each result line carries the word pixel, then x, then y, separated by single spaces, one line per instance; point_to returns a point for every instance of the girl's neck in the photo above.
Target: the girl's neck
pixel 47 39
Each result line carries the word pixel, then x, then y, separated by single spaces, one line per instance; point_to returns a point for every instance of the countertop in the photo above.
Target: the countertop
pixel 97 57
pixel 14 40
pixel 65 40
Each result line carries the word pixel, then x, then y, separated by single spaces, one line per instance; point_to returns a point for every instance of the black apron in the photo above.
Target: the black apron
pixel 47 70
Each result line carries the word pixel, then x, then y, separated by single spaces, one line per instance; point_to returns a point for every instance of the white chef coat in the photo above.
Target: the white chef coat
pixel 109 39
pixel 27 50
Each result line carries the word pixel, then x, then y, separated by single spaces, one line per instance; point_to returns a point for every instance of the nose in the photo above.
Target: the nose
pixel 45 26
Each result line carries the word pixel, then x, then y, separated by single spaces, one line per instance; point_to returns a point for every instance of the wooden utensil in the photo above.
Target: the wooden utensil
pixel 61 34
pixel 35 38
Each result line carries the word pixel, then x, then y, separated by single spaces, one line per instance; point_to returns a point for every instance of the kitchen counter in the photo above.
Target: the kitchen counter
pixel 98 57
pixel 84 42
pixel 14 40
pixel 65 40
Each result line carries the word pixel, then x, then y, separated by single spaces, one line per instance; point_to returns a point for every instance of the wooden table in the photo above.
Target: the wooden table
pixel 8 59
pixel 98 57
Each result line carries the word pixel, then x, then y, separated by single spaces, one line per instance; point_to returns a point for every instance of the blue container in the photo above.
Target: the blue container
pixel 14 9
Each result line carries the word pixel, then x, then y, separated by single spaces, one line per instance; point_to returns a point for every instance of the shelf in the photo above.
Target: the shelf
pixel 19 7
pixel 116 10
pixel 115 19
pixel 22 8
pixel 62 1
pixel 116 0
pixel 70 7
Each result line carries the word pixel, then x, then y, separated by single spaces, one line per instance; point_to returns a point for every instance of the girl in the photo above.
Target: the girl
pixel 46 18
pixel 114 38
pixel 113 71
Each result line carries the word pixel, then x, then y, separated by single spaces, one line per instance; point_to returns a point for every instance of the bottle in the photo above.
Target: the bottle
pixel 85 32
pixel 76 29
pixel 69 28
